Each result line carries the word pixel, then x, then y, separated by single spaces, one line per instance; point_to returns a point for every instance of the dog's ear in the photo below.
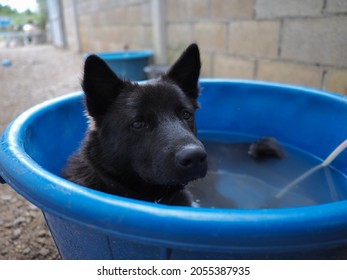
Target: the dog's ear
pixel 186 70
pixel 100 85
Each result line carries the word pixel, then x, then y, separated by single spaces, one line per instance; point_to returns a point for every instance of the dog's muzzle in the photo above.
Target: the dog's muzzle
pixel 192 161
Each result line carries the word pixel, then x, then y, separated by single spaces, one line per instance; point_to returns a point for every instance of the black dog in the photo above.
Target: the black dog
pixel 141 142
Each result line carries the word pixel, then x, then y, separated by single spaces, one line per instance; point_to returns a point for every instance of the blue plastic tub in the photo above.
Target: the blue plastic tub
pixel 127 64
pixel 87 224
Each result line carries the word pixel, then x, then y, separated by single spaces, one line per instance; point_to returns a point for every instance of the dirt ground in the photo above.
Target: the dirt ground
pixel 37 73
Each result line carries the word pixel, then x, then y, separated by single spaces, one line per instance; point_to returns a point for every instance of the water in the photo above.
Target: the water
pixel 235 180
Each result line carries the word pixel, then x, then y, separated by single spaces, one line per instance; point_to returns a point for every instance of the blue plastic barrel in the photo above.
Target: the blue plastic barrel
pixel 127 64
pixel 88 224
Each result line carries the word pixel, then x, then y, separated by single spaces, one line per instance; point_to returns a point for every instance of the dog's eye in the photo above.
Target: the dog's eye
pixel 138 125
pixel 187 115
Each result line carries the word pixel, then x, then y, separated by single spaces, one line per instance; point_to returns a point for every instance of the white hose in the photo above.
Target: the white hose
pixel 338 150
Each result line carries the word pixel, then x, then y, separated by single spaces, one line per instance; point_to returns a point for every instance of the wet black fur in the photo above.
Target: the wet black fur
pixel 140 134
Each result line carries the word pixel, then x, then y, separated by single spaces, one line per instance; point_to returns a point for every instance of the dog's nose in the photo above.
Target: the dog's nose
pixel 192 157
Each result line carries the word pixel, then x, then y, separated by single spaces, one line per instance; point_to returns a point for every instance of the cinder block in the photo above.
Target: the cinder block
pixel 85 7
pixel 101 34
pixel 336 6
pixel 172 10
pixel 290 73
pixel 84 40
pixel 111 17
pixel 178 38
pixel 287 8
pixel 134 15
pixel 124 36
pixel 316 41
pixel 113 32
pixel 147 36
pixel 232 8
pixel 121 15
pixel 178 10
pixel 225 66
pixel 103 4
pixel 336 81
pixel 178 32
pixel 206 67
pixel 84 21
pixel 98 20
pixel 254 38
pixel 197 8
pixel 146 13
pixel 211 36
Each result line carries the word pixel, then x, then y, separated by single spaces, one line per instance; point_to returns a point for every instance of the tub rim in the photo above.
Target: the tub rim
pixel 122 55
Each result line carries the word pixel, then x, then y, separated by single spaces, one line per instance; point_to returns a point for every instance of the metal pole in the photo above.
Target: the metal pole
pixel 159 30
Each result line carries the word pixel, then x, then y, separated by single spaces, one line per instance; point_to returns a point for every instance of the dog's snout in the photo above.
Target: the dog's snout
pixel 192 157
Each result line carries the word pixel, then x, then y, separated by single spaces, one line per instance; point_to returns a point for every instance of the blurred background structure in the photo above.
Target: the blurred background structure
pixel 299 41
pixel 22 27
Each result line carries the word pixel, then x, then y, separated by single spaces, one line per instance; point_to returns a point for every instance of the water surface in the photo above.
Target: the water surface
pixel 235 180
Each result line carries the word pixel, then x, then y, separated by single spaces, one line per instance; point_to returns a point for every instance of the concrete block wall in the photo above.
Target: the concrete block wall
pixel 107 25
pixel 300 42
pixel 293 41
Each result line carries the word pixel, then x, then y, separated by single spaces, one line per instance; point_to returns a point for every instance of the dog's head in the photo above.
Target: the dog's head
pixel 146 131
